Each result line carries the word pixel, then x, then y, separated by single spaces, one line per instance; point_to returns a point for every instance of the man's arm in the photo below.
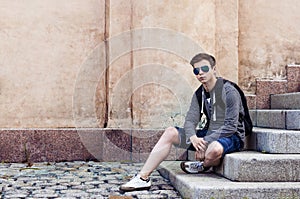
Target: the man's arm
pixel 192 119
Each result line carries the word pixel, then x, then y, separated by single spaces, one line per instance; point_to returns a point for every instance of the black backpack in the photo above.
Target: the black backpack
pixel 219 86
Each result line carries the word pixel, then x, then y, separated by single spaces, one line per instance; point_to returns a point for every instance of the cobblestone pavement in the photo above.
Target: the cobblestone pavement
pixel 77 180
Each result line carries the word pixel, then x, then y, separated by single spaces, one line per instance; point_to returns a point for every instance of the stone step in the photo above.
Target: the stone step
pixel 274 141
pixel 210 185
pixel 251 166
pixel 285 101
pixel 278 119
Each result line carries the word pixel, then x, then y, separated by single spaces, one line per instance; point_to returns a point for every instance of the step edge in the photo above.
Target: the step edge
pixel 250 188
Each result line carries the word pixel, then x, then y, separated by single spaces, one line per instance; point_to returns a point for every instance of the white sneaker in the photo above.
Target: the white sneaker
pixel 136 184
pixel 192 167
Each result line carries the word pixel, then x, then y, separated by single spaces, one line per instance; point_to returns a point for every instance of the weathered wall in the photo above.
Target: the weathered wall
pixel 42 47
pixel 156 73
pixel 159 81
pixel 120 63
pixel 268 39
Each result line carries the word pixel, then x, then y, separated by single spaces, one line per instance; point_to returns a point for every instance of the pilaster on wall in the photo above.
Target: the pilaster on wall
pixel 226 38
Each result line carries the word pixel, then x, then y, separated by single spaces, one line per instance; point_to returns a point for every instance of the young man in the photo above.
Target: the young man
pixel 223 133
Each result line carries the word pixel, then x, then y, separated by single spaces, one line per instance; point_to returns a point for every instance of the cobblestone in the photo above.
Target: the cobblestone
pixel 77 180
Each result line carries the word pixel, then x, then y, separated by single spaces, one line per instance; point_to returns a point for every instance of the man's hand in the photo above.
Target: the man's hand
pixel 199 143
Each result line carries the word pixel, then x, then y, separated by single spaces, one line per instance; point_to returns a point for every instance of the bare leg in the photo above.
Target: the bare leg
pixel 160 151
pixel 213 154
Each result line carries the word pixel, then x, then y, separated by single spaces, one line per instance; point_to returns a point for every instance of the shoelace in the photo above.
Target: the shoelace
pixel 138 179
pixel 197 166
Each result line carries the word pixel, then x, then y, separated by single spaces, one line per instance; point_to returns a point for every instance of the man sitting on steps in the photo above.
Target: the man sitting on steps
pixel 224 131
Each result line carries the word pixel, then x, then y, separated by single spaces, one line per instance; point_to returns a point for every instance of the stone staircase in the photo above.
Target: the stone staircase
pixel 270 167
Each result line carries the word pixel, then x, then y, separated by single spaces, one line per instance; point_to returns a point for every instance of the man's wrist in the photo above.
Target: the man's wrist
pixel 193 137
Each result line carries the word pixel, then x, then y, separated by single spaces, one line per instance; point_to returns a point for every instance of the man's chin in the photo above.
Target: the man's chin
pixel 202 80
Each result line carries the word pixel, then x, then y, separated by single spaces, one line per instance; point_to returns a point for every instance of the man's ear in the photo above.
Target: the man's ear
pixel 215 70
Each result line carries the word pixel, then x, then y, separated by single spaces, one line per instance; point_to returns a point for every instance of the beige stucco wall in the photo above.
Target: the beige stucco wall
pixel 268 39
pixel 164 37
pixel 42 47
pixel 124 64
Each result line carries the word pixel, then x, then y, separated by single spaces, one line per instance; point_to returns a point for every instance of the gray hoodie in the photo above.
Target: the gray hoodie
pixel 222 123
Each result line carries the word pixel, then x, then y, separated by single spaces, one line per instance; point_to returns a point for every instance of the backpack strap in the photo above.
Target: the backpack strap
pixel 202 108
pixel 199 98
pixel 218 92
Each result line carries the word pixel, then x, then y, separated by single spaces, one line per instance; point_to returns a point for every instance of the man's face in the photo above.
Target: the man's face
pixel 206 72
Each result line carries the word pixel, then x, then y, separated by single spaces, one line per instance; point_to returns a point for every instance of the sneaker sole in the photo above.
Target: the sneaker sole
pixel 126 189
pixel 183 167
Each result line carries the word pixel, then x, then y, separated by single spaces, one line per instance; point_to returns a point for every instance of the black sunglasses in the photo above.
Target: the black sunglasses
pixel 203 68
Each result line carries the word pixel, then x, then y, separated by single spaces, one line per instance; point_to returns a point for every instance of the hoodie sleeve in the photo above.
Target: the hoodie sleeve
pixel 192 119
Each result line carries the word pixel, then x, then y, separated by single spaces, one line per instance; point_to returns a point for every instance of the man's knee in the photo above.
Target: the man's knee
pixel 171 134
pixel 214 151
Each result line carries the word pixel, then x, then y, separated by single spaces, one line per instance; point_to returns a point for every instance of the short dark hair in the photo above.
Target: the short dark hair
pixel 203 56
